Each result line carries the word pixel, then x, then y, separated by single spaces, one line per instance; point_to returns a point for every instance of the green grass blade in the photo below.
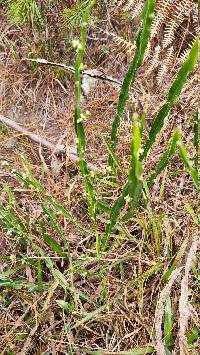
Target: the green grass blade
pixel 176 261
pixel 20 284
pixel 103 207
pixel 53 245
pixel 137 351
pixel 53 219
pixel 88 317
pixel 112 153
pixel 192 213
pixel 68 216
pixel 193 336
pixel 32 182
pixel 11 196
pixel 141 42
pixel 134 186
pixel 196 140
pixel 168 325
pixel 58 276
pixel 12 222
pixel 164 159
pixel 174 92
pixel 29 181
pixel 114 214
pixel 141 351
pixel 5 275
pixel 188 164
pixel 39 273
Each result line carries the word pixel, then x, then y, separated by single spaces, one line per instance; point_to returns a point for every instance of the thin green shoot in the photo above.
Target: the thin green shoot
pixel 168 323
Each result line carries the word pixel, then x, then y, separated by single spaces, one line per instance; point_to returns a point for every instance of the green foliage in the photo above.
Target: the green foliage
pixel 136 190
pixel 188 163
pixel 25 11
pixel 193 336
pixel 174 91
pixel 176 261
pixel 30 182
pixel 73 16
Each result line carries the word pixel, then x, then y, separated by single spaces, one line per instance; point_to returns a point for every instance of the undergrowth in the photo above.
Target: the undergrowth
pixel 79 278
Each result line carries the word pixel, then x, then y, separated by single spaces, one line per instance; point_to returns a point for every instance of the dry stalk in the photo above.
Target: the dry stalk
pixel 160 348
pixel 184 308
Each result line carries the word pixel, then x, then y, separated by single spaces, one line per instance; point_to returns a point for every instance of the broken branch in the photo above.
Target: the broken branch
pixel 56 149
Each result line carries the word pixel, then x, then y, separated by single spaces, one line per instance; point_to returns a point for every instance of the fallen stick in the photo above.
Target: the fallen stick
pixel 93 73
pixel 56 149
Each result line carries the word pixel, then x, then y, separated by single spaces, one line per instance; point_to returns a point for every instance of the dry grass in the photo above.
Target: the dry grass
pixel 110 301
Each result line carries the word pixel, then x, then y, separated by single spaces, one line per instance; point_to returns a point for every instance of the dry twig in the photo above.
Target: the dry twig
pixel 93 73
pixel 56 149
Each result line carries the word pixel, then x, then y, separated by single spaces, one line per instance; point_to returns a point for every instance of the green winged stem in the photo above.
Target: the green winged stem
pixel 141 44
pixel 133 187
pixel 135 174
pixel 196 140
pixel 174 92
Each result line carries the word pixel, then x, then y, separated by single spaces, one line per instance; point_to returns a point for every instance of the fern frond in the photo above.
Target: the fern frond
pixel 130 5
pixel 147 51
pixel 196 19
pixel 165 66
pixel 123 44
pixel 162 12
pixel 178 14
pixel 155 61
pixel 137 9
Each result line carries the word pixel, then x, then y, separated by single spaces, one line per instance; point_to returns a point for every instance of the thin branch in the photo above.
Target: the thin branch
pixel 46 62
pixel 98 74
pixel 56 149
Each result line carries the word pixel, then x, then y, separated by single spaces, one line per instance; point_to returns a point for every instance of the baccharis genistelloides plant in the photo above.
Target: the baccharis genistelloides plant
pixel 18 223
pixel 135 185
